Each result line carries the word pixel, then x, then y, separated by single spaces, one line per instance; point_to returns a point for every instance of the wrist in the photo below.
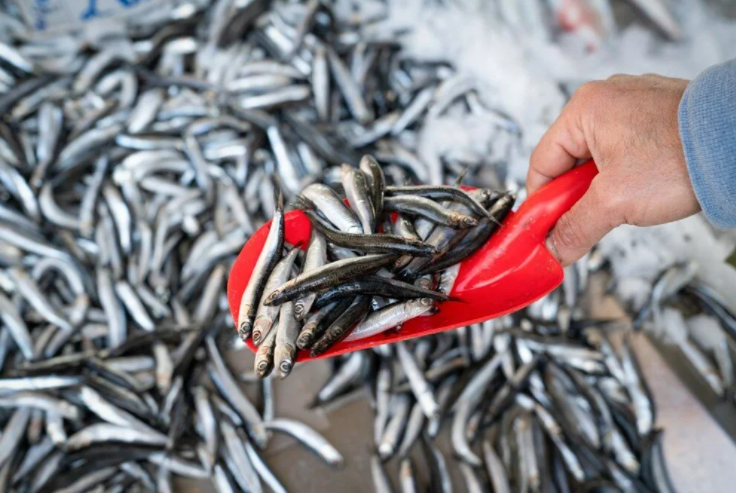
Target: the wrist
pixel 707 123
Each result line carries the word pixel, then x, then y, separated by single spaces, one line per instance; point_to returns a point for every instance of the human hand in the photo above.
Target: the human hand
pixel 628 125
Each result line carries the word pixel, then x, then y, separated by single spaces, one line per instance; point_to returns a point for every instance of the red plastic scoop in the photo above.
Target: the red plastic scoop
pixel 511 271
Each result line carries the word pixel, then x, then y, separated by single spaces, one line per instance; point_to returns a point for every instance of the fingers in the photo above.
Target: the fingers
pixel 562 145
pixel 584 225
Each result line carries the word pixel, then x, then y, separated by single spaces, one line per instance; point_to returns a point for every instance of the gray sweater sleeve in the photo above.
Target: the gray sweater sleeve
pixel 707 120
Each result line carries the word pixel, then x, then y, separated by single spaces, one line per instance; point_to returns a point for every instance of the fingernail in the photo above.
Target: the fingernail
pixel 550 244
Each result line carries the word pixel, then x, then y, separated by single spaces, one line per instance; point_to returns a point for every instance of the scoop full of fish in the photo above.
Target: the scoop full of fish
pixel 384 258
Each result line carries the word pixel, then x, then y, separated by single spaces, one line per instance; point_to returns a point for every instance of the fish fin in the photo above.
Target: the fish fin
pixel 315 403
pixel 294 204
pixel 303 202
pixel 461 177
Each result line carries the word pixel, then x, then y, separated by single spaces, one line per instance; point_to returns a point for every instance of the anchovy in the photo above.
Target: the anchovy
pixel 381 481
pixel 390 316
pixel 377 286
pixel 286 169
pixel 286 336
pixel 407 480
pixel 206 417
pixel 28 288
pixel 31 243
pixel 112 306
pixel 329 275
pixel 106 411
pixel 473 240
pixel 404 227
pixel 309 437
pixel 383 396
pixel 279 97
pixel 222 481
pixel 496 469
pixel 419 386
pixel 264 360
pixel 328 203
pixel 321 82
pixel 106 432
pixel 9 385
pixel 245 473
pixel 447 279
pixel 232 393
pixel 436 192
pixel 145 110
pixel 258 83
pixel 466 402
pixel 356 189
pixel 134 305
pixel 266 315
pixel 314 325
pixel 36 454
pixel 643 405
pixel 426 208
pixel 414 110
pixel 262 469
pixel 266 262
pixel 369 243
pixel 315 258
pixel 35 88
pixel 394 427
pixel 88 482
pixel 17 328
pixel 337 330
pixel 226 411
pixel 13 433
pixel 472 482
pixel 13 57
pixel 414 426
pixel 350 91
pixel 17 186
pixel 438 467
pixel 36 400
pixel 348 373
pixel 178 465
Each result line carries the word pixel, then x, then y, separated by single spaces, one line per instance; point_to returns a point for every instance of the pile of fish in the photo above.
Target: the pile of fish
pixel 527 412
pixel 356 295
pixel 133 168
pixel 685 312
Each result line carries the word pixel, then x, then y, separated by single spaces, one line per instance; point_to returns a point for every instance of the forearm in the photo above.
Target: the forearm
pixel 707 122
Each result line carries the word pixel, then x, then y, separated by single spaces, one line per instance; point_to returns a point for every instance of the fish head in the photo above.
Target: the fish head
pixel 468 222
pixel 271 298
pixel 260 328
pixel 420 306
pixel 263 367
pixel 244 329
pixel 484 196
pixel 284 356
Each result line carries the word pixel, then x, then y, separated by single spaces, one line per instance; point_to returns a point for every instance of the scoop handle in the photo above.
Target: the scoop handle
pixel 542 209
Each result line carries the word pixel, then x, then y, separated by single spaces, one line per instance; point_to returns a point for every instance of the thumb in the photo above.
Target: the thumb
pixel 579 229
